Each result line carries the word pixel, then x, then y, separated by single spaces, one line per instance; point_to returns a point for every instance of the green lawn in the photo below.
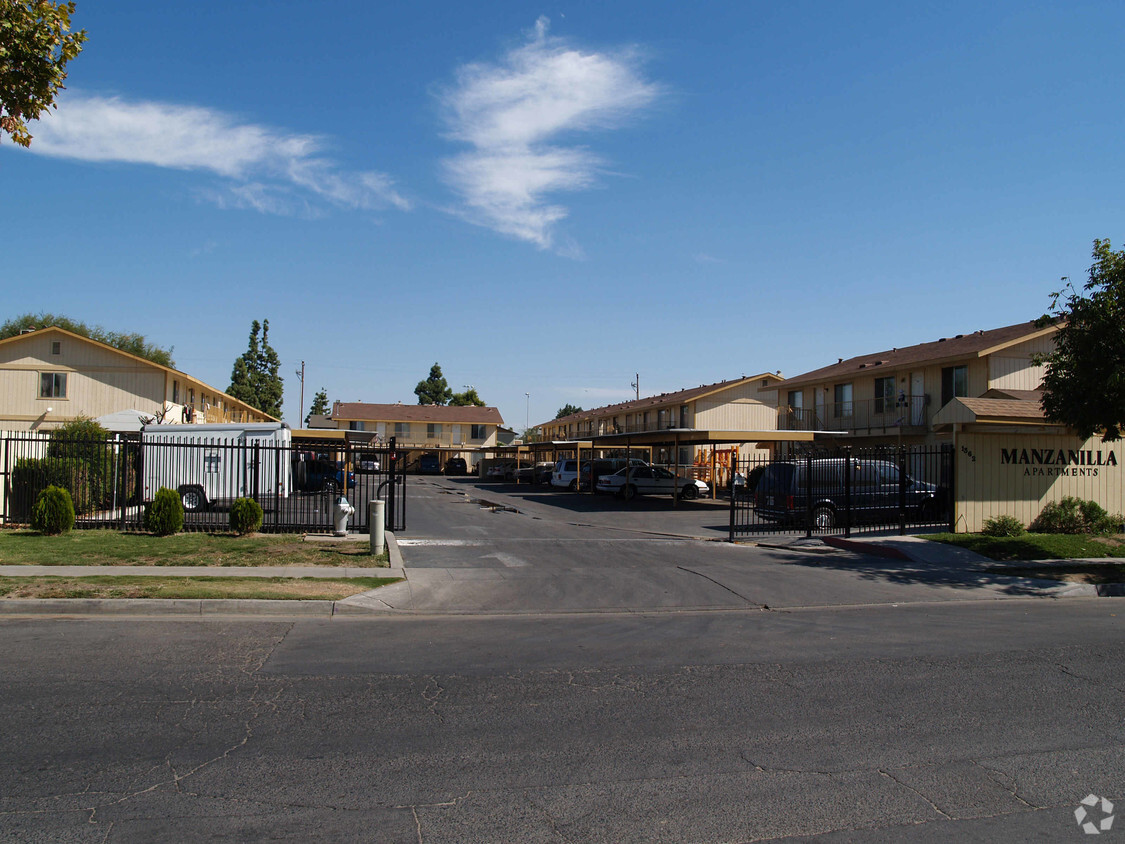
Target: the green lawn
pixel 1035 546
pixel 113 548
pixel 152 586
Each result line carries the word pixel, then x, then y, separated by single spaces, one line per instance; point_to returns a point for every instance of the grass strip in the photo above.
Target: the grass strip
pixel 115 548
pixel 154 586
pixel 1034 546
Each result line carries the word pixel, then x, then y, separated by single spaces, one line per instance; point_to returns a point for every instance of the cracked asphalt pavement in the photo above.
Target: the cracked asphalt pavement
pixel 880 720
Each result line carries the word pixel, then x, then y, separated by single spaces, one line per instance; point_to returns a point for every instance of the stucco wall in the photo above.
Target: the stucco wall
pixel 1015 475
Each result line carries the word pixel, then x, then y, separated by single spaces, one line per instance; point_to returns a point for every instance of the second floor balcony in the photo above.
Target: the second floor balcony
pixel 908 413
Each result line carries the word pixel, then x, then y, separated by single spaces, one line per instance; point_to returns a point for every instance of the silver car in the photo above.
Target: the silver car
pixel 650 480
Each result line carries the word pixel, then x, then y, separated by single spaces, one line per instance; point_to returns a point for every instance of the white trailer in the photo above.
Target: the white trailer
pixel 206 464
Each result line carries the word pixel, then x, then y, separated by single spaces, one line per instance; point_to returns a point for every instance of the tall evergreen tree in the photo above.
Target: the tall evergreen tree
pixel 435 389
pixel 469 398
pixel 255 378
pixel 319 406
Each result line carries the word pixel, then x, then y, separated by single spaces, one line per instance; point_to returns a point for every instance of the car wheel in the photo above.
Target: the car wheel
pixel 193 499
pixel 824 518
pixel 630 492
pixel 689 492
pixel 330 486
pixel 573 487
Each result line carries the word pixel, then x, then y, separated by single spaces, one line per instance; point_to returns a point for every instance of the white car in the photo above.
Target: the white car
pixel 565 475
pixel 650 480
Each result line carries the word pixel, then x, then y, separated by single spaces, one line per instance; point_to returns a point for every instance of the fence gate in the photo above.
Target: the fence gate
pixel 844 491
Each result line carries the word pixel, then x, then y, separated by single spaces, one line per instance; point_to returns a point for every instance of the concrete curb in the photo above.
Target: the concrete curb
pixel 161 606
pixel 874 549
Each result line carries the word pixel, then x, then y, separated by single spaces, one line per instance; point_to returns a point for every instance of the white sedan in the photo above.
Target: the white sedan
pixel 650 480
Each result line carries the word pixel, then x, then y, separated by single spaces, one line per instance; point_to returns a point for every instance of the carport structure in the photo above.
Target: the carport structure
pixel 648 441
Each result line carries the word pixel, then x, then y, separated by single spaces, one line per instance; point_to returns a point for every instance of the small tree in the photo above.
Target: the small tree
pixel 255 378
pixel 435 389
pixel 1084 386
pixel 469 398
pixel 165 515
pixel 567 410
pixel 319 405
pixel 245 516
pixel 53 512
pixel 35 45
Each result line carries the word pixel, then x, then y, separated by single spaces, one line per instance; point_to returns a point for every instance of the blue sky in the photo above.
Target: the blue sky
pixel 552 198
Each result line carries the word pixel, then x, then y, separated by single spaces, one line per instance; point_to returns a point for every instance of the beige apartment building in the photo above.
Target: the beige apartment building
pixel 884 396
pixel 421 428
pixel 51 376
pixel 742 404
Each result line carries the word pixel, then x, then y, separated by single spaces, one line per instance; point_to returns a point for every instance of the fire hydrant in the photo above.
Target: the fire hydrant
pixel 340 513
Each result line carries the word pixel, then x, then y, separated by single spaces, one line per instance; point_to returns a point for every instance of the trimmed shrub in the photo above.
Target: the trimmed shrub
pixel 1075 515
pixel 53 512
pixel 245 516
pixel 1003 526
pixel 165 515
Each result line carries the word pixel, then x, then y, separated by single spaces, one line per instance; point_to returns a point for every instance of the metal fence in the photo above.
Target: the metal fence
pixel 844 491
pixel 296 483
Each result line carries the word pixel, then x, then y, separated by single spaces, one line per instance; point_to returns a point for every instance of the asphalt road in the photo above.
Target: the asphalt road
pixel 954 721
pixel 741 695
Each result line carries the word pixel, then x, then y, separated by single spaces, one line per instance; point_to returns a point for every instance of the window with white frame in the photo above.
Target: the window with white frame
pixel 478 432
pixel 433 430
pixel 52 385
pixel 842 401
pixel 402 429
pixel 356 426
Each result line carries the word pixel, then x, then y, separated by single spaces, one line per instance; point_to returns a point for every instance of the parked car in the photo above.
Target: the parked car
pixel 366 463
pixel 565 475
pixel 429 464
pixel 319 475
pixel 543 472
pixel 497 471
pixel 782 493
pixel 744 485
pixel 456 466
pixel 604 466
pixel 650 480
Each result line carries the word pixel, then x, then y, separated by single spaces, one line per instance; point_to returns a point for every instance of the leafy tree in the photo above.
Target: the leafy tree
pixel 1084 386
pixel 469 398
pixel 255 379
pixel 35 45
pixel 319 405
pixel 134 344
pixel 566 410
pixel 435 389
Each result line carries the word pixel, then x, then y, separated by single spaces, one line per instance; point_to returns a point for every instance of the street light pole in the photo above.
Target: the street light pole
pixel 301 409
pixel 527 414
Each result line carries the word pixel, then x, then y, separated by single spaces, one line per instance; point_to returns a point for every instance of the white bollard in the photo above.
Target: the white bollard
pixel 375 526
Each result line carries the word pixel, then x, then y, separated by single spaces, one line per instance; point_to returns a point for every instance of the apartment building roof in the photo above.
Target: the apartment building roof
pixel 663 400
pixel 398 412
pixel 976 344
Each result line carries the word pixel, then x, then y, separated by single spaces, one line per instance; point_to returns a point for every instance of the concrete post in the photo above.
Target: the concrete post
pixel 375 526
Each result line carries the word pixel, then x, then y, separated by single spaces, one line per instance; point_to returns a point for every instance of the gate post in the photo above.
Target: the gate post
pixel 392 481
pixel 847 491
pixel 808 494
pixel 902 490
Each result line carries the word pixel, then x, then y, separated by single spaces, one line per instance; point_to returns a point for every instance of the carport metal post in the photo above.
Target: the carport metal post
pixel 901 490
pixel 847 491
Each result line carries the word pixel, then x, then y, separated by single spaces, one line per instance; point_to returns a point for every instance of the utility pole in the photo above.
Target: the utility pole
pixel 301 409
pixel 636 385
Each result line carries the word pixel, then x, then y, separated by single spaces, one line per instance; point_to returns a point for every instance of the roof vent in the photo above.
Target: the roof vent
pixel 839 360
pixel 941 340
pixel 959 336
pixel 863 366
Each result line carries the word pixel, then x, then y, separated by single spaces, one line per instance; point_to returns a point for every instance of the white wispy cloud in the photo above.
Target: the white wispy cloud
pixel 259 167
pixel 515 115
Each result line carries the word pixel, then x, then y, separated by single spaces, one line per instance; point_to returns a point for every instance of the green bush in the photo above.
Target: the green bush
pixel 165 515
pixel 1075 515
pixel 1003 526
pixel 53 512
pixel 245 516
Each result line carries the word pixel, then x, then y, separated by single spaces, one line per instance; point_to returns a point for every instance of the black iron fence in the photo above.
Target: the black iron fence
pixel 843 491
pixel 296 483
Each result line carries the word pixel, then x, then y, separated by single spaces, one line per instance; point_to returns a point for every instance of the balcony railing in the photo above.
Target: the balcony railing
pixel 868 415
